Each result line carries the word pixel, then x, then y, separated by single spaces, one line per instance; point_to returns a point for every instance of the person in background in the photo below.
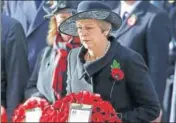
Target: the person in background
pixel 168 103
pixel 14 64
pixel 172 117
pixel 30 15
pixel 48 80
pixel 147 30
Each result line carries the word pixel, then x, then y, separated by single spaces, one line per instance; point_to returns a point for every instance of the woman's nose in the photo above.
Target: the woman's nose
pixel 84 32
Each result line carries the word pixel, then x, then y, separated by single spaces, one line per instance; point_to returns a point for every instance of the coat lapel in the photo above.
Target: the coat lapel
pixel 20 11
pixel 137 12
pixel 39 19
pixel 81 71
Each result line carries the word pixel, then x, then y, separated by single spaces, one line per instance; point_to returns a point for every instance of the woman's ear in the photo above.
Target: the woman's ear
pixel 106 33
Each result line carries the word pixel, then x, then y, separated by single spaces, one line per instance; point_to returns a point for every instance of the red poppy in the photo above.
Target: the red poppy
pixel 59 111
pixel 69 98
pixel 95 98
pixel 96 107
pixel 132 20
pixel 97 117
pixel 19 113
pixel 64 118
pixel 117 74
pixel 44 118
pixel 56 112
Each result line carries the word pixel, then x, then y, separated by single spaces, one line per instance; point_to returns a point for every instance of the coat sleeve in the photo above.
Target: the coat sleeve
pixel 16 66
pixel 31 89
pixel 157 43
pixel 141 90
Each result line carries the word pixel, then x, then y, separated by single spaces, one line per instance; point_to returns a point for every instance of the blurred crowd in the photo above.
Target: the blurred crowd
pixel 148 27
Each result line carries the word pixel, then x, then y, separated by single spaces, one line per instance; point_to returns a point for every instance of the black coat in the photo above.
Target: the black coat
pixel 150 36
pixel 134 96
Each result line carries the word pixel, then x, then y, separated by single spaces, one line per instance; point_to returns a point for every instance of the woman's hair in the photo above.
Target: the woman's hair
pixel 52 31
pixel 105 26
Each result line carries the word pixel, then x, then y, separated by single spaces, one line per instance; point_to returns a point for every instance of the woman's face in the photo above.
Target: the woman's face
pixel 60 17
pixel 89 33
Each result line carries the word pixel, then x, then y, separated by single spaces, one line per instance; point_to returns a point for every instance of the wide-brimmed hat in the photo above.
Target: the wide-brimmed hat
pixel 90 10
pixel 51 7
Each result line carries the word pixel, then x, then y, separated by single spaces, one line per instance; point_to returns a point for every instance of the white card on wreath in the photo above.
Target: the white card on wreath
pixel 33 115
pixel 80 113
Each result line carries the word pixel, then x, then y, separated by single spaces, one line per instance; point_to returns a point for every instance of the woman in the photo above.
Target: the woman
pixel 103 66
pixel 49 76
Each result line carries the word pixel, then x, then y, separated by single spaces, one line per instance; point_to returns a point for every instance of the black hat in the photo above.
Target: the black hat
pixel 51 7
pixel 90 10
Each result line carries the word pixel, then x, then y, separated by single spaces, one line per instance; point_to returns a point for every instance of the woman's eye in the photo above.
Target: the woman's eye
pixel 89 28
pixel 86 28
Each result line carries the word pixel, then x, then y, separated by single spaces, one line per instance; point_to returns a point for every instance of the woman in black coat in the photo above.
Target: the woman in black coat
pixel 103 66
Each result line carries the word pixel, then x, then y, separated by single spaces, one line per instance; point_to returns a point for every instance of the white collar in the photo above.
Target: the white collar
pixel 127 8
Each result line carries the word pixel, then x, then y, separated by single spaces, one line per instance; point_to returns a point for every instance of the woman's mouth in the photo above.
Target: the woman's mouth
pixel 86 41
